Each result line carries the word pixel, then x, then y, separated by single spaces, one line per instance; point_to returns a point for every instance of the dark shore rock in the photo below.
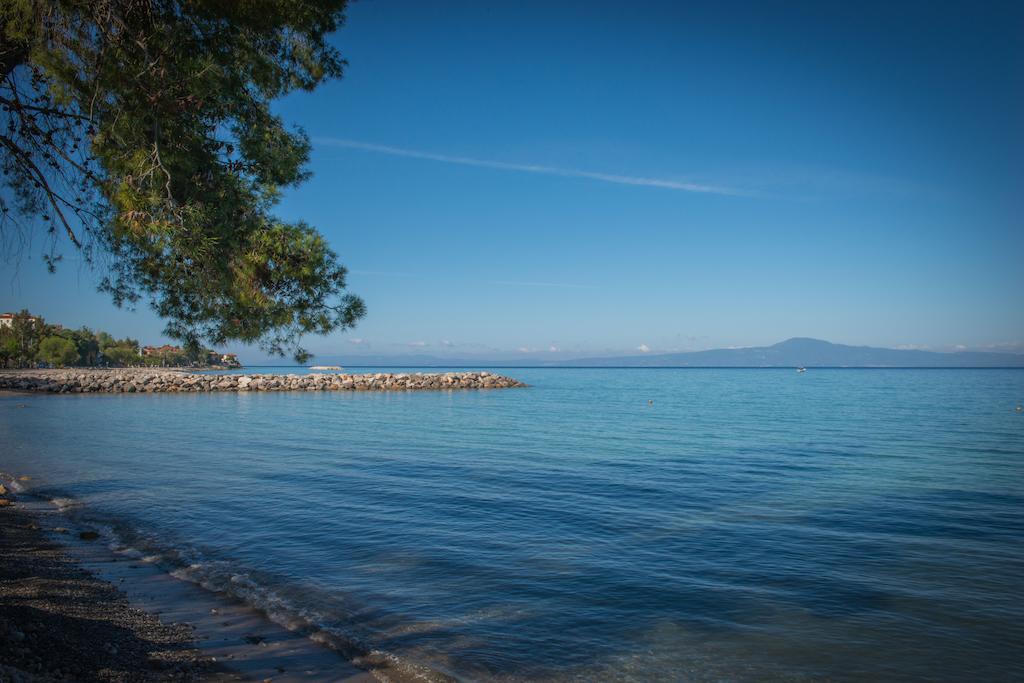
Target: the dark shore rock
pixel 98 380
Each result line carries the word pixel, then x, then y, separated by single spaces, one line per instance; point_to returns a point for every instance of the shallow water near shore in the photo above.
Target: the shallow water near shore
pixel 744 525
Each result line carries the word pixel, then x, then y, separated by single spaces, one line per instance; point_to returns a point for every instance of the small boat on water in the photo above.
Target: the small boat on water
pixel 801 369
pixel 325 367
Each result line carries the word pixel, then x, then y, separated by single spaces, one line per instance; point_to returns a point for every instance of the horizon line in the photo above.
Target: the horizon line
pixel 668 367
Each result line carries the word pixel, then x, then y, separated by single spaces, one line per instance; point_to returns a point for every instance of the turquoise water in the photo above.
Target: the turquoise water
pixel 747 525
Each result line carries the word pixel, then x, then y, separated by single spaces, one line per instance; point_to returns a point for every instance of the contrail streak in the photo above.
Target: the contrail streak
pixel 529 168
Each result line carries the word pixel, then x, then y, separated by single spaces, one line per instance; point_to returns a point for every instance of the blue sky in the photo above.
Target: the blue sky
pixel 599 178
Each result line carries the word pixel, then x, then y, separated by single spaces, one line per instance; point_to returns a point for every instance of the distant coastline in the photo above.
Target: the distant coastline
pixel 792 353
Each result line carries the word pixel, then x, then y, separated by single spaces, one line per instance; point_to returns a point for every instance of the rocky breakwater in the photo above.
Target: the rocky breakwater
pixel 163 381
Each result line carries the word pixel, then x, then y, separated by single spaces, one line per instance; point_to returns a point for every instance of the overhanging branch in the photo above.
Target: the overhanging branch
pixel 51 196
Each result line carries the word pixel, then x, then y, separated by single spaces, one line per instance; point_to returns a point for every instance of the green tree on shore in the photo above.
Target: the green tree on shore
pixel 58 351
pixel 141 131
pixel 8 350
pixel 29 340
pixel 86 345
pixel 19 341
pixel 122 355
pixel 121 352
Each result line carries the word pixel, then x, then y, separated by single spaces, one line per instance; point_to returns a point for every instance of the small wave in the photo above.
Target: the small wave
pixel 127 551
pixel 64 504
pixel 13 485
pixel 378 659
pixel 224 577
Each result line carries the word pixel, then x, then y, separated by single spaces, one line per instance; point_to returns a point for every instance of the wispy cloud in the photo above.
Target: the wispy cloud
pixel 517 283
pixel 357 341
pixel 418 344
pixel 531 168
pixel 1011 347
pixel 381 273
pixel 643 348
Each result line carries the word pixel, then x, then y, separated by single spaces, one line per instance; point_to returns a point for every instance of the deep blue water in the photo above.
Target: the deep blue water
pixel 749 525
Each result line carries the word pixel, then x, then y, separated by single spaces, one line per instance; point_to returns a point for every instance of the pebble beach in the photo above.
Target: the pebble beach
pixel 59 622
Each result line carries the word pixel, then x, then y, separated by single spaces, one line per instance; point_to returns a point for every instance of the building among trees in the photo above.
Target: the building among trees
pixel 7 319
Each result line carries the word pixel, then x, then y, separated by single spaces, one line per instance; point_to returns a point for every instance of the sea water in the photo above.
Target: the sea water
pixel 602 524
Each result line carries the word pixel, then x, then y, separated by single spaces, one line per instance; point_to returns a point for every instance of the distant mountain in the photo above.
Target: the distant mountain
pixel 805 352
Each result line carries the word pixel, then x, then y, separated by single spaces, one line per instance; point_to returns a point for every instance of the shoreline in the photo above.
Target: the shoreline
pixel 78 609
pixel 60 622
pixel 133 380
